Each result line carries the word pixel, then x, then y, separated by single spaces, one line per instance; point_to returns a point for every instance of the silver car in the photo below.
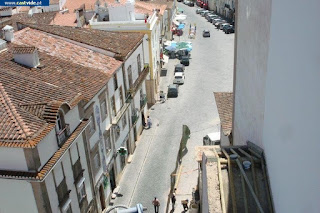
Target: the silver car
pixel 178 78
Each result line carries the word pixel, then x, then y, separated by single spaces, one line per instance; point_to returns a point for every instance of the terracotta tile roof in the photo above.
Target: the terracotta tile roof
pixel 6 8
pixel 23 50
pixel 146 7
pixel 29 105
pixel 120 43
pixel 43 18
pixel 66 50
pixel 40 175
pixel 224 102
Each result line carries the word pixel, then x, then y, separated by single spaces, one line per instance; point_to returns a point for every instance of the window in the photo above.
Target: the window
pixel 67 207
pixel 113 105
pixel 96 161
pixel 95 158
pixel 124 121
pixel 91 125
pixel 107 140
pixel 103 109
pixel 139 63
pixel 121 96
pixel 117 132
pixel 115 81
pixel 81 188
pixel 130 76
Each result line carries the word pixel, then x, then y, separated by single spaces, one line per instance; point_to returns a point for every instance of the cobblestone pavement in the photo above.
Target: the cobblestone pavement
pixel 210 70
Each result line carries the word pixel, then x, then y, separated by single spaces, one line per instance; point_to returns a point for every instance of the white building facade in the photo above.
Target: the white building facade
pixel 276 86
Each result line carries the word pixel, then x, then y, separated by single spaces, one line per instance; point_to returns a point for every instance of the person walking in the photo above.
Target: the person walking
pixel 185 204
pixel 173 200
pixel 156 205
pixel 149 122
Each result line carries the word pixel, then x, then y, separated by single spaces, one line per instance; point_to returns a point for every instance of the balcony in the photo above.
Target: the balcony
pixel 143 101
pixel 142 76
pixel 135 116
pixel 63 135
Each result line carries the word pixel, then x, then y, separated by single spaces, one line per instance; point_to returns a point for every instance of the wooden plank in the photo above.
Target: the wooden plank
pixel 223 203
pixel 256 190
pixel 245 200
pixel 233 195
pixel 265 176
pixel 244 195
pixel 249 186
pixel 270 205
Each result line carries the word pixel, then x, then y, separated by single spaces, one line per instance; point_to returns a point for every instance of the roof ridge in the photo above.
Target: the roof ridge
pixel 13 114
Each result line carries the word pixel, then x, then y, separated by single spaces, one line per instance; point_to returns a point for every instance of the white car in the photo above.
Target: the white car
pixel 178 78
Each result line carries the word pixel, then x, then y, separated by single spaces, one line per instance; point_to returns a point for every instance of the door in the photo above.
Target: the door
pixel 112 179
pixel 102 199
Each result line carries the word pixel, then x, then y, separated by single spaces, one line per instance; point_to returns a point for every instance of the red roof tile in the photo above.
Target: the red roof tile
pixel 40 175
pixel 63 49
pixel 120 43
pixel 224 102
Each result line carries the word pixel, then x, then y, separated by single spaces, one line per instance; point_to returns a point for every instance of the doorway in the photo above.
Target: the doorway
pixel 112 179
pixel 102 198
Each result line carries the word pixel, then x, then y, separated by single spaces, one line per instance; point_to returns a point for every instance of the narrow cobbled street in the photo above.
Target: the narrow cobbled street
pixel 210 70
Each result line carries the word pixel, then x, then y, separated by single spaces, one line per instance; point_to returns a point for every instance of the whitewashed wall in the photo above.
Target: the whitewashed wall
pixel 47 147
pixel 12 159
pixel 16 196
pixel 251 53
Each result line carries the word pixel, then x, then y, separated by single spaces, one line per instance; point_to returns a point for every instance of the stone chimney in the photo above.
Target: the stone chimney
pixel 27 56
pixel 8 33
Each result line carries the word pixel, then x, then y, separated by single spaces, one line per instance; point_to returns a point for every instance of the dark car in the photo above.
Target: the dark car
pixel 185 60
pixel 173 90
pixel 206 33
pixel 179 68
pixel 191 4
pixel 229 29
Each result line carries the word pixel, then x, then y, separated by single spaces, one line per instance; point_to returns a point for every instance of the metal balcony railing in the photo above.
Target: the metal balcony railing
pixel 63 135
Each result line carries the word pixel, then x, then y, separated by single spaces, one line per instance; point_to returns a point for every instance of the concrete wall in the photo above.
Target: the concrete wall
pixel 17 196
pixel 72 118
pixel 12 159
pixel 251 53
pixel 292 104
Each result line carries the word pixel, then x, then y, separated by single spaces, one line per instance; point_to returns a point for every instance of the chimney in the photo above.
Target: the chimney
pixel 8 33
pixel 27 56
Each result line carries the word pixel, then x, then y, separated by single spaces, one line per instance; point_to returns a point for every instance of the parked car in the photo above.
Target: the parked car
pixel 179 0
pixel 183 52
pixel 208 17
pixel 179 68
pixel 185 60
pixel 213 17
pixel 212 139
pixel 199 11
pixel 202 13
pixel 229 29
pixel 217 24
pixel 223 25
pixel 206 33
pixel 191 4
pixel 179 78
pixel 215 20
pixel 173 90
pixel 186 2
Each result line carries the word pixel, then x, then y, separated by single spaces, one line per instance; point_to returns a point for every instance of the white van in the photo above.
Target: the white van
pixel 212 139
